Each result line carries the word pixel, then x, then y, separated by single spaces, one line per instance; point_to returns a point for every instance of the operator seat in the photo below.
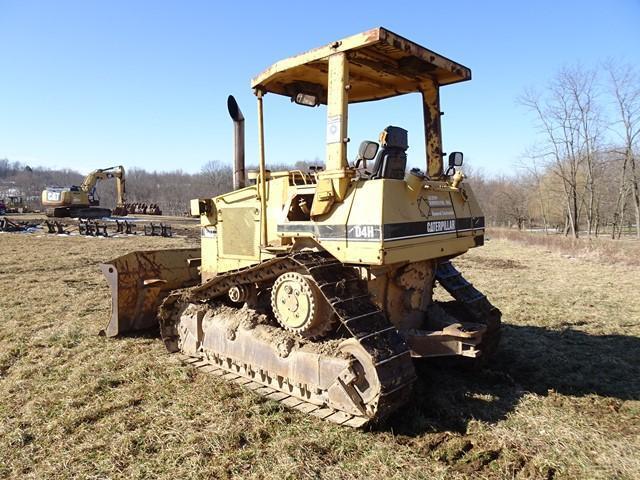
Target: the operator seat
pixel 391 160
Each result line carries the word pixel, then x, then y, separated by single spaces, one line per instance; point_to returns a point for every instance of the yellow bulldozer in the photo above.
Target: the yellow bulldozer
pixel 315 288
pixel 81 201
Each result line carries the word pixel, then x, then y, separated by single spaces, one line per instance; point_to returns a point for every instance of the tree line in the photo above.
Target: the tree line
pixel 580 176
pixel 171 190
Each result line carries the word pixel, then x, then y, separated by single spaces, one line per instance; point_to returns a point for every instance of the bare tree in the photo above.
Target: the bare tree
pixel 625 86
pixel 555 123
pixel 581 86
pixel 514 202
pixel 536 174
pixel 218 176
pixel 569 123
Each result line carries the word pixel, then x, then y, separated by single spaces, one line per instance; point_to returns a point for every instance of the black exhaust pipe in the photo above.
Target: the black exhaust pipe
pixel 238 143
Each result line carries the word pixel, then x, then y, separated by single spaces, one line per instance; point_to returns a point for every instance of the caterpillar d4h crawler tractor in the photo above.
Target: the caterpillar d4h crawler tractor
pixel 315 288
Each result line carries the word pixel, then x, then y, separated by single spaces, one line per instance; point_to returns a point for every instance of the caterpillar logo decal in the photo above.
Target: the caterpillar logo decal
pixel 437 226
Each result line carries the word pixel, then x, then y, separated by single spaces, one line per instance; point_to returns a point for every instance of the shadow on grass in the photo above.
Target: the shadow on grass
pixel 530 359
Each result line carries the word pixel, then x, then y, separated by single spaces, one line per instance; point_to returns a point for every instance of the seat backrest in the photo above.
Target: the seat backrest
pixel 391 160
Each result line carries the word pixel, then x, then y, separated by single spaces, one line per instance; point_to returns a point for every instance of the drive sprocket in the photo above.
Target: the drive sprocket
pixel 299 306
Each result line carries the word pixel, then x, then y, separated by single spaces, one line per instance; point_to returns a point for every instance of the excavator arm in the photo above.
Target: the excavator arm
pixel 90 181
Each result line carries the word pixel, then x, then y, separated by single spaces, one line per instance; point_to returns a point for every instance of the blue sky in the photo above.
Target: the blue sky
pixel 88 84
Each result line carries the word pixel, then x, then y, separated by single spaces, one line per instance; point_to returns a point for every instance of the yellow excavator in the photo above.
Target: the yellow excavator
pixel 81 201
pixel 315 288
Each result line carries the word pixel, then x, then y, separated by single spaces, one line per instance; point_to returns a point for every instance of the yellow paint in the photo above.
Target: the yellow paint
pixel 368 52
pixel 334 210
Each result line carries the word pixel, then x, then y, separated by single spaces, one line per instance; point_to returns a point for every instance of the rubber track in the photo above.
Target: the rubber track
pixel 350 300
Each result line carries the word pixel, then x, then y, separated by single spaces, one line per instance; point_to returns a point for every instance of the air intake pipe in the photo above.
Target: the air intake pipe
pixel 238 143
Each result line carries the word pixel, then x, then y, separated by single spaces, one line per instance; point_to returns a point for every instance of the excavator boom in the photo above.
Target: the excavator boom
pixel 91 180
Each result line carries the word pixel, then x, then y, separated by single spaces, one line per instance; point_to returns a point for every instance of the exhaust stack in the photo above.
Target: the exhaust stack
pixel 238 143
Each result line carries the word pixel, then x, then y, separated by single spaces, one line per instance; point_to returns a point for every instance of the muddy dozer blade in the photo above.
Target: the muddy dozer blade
pixel 139 281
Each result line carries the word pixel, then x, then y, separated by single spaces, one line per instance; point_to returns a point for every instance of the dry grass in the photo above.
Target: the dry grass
pixel 561 399
pixel 601 249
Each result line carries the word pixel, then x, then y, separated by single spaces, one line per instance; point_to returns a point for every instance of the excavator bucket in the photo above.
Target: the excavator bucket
pixel 139 281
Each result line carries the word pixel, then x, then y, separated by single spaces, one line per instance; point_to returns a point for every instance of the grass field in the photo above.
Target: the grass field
pixel 601 249
pixel 561 400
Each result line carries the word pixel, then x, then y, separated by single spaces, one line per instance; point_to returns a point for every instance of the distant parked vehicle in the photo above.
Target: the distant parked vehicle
pixel 16 204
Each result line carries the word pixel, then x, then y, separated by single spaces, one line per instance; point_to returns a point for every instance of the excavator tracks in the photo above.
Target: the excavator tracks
pixel 383 373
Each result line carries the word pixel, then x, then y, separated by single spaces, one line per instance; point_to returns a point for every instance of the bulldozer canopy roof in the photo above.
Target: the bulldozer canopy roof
pixel 381 65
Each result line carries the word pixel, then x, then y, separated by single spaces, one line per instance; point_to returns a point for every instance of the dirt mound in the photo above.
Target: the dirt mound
pixel 499 263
